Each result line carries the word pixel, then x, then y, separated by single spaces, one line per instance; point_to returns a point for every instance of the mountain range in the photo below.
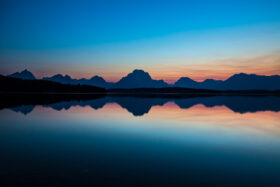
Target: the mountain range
pixel 142 79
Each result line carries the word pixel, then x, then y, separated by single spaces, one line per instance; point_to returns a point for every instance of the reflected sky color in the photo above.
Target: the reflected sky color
pixel 170 39
pixel 169 116
pixel 168 145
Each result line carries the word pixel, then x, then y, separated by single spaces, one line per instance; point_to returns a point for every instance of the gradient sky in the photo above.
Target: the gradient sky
pixel 169 39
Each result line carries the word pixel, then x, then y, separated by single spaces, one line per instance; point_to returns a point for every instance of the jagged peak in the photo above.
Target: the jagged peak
pixel 61 76
pixel 25 71
pixel 25 74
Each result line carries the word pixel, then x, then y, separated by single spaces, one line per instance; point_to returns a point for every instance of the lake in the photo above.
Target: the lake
pixel 134 141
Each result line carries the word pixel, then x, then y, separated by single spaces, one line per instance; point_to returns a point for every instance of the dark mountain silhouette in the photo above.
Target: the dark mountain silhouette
pixel 61 79
pixel 139 106
pixel 139 79
pixel 14 85
pixel 244 81
pixel 142 79
pixel 25 74
pixel 94 81
pixel 186 82
pixel 9 84
pixel 98 80
pixel 136 79
pixel 240 81
pixel 213 84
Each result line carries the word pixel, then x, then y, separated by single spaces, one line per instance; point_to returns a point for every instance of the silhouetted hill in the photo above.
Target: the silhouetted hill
pixel 9 84
pixel 25 74
pixel 244 81
pixel 94 81
pixel 186 82
pixel 139 79
pixel 61 79
pixel 240 81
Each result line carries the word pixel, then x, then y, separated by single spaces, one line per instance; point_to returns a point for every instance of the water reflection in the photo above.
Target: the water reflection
pixel 139 106
pixel 203 141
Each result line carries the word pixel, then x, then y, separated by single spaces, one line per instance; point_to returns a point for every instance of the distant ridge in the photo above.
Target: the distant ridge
pixel 25 74
pixel 66 79
pixel 241 81
pixel 61 79
pixel 141 79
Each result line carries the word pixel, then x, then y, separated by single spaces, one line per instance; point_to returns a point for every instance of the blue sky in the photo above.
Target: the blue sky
pixel 111 38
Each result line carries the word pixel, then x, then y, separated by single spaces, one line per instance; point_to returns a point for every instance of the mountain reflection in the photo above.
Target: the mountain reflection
pixel 139 106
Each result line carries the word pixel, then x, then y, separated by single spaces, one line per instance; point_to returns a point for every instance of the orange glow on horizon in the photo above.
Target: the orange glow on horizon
pixel 169 77
pixel 198 71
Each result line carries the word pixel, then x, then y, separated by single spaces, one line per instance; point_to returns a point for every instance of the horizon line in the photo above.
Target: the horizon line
pixel 26 69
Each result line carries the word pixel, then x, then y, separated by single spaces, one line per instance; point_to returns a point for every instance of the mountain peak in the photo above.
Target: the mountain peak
pixel 138 71
pixel 96 77
pixel 139 79
pixel 185 82
pixel 66 79
pixel 97 80
pixel 185 79
pixel 25 74
pixel 241 76
pixel 61 76
pixel 139 75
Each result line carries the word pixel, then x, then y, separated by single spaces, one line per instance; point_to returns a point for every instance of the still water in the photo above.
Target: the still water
pixel 127 141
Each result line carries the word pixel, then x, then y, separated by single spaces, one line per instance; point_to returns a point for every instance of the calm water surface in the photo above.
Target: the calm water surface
pixel 125 141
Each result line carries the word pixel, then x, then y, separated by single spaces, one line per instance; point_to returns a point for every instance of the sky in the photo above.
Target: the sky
pixel 199 39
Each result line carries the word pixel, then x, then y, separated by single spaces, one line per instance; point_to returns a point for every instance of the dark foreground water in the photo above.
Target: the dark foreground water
pixel 126 141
